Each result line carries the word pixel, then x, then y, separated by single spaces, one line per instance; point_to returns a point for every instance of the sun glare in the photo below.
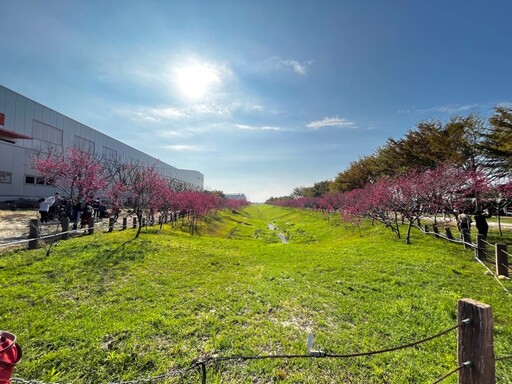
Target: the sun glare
pixel 195 80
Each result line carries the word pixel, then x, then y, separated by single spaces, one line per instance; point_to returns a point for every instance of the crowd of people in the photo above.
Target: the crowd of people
pixel 464 222
pixel 57 208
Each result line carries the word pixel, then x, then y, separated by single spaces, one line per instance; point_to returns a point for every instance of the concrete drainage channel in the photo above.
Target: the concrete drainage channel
pixel 280 235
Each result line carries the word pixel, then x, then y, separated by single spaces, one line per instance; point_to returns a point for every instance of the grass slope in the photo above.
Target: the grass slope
pixel 108 307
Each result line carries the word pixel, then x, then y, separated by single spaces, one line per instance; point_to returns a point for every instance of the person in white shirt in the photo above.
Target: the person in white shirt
pixel 44 207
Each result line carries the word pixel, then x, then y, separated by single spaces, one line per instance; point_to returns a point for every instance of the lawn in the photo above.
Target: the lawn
pixel 108 307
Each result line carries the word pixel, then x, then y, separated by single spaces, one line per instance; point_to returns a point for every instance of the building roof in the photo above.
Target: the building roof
pixel 10 136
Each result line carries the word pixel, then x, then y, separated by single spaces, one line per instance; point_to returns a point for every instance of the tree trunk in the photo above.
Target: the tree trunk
pixel 397 226
pixel 499 222
pixel 139 228
pixel 409 227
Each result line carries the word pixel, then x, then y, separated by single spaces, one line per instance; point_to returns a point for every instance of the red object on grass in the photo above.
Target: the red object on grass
pixel 10 356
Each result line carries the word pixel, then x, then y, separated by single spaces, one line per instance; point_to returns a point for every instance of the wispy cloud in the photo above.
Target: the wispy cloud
pixel 298 67
pixel 331 122
pixel 169 113
pixel 154 115
pixel 455 108
pixel 199 110
pixel 183 148
pixel 245 127
pixel 254 107
pixel 449 108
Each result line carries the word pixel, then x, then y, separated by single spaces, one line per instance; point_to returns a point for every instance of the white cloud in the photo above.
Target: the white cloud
pixel 449 108
pixel 254 107
pixel 180 113
pixel 267 128
pixel 154 115
pixel 215 109
pixel 331 122
pixel 169 133
pixel 169 113
pixel 245 127
pixel 457 108
pixel 296 66
pixel 182 148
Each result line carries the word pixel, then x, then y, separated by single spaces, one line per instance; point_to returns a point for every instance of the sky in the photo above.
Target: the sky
pixel 259 96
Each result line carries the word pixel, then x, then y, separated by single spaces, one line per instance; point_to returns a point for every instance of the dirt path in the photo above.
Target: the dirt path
pixel 15 224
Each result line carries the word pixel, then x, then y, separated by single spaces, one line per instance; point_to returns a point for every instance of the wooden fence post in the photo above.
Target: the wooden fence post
pixel 143 222
pixel 426 228
pixel 436 231
pixel 125 222
pixel 481 247
pixel 33 233
pixel 448 233
pixel 501 260
pixel 65 227
pixel 134 223
pixel 90 224
pixel 466 238
pixel 111 223
pixel 475 343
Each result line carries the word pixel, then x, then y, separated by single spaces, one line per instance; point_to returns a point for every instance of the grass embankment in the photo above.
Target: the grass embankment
pixel 107 307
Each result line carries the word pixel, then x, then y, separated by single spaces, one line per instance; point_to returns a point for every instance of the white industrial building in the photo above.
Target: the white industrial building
pixel 236 196
pixel 26 126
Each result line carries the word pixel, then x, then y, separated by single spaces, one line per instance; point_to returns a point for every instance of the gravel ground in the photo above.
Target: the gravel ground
pixel 15 224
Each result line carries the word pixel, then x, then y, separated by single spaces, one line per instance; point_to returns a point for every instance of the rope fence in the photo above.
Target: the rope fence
pixel 481 251
pixel 475 352
pixel 203 364
pixel 105 226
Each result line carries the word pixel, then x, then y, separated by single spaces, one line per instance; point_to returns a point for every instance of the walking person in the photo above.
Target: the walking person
pixel 464 222
pixel 481 224
pixel 76 212
pixel 96 206
pixel 53 211
pixel 87 214
pixel 44 207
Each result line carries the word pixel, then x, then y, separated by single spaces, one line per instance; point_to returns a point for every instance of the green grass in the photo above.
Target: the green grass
pixel 108 307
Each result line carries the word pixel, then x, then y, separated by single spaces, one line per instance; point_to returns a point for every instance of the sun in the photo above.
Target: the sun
pixel 195 80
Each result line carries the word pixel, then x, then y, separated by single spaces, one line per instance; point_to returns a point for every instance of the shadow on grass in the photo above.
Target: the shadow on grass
pixel 125 254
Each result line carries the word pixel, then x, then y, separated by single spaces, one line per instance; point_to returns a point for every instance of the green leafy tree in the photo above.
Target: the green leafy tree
pixel 357 175
pixel 497 143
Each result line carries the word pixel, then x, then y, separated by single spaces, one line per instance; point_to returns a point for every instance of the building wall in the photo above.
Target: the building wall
pixel 50 128
pixel 235 196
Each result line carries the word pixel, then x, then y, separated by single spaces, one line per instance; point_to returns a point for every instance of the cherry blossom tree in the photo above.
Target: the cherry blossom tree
pixel 76 172
pixel 138 186
pixel 235 204
pixel 196 205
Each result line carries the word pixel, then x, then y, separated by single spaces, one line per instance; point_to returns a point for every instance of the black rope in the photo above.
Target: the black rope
pixel 402 346
pixel 463 365
pixel 321 354
pixel 202 364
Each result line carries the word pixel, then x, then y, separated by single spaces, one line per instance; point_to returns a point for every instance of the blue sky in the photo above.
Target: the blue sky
pixel 259 96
